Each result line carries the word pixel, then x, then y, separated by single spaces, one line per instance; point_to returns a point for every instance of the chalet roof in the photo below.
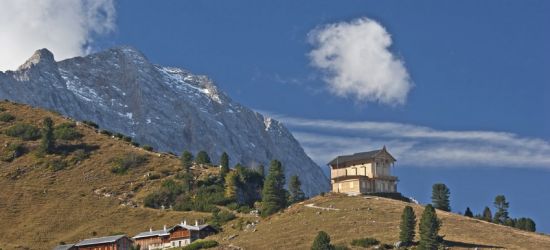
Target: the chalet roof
pixel 101 240
pixel 168 230
pixel 63 247
pixel 342 159
pixel 153 233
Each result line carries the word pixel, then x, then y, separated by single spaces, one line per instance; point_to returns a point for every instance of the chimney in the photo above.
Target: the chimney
pixel 164 227
pixel 196 223
pixel 150 229
pixel 185 222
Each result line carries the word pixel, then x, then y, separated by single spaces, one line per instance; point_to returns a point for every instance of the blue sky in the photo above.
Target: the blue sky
pixel 465 100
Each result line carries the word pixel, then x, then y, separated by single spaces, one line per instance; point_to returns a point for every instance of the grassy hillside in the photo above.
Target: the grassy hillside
pixel 73 194
pixel 357 217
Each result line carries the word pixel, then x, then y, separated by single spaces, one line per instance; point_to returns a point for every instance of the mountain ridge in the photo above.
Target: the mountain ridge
pixel 168 108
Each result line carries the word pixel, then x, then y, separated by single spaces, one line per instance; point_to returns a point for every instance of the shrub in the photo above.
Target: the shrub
pixel 127 138
pixel 365 242
pixel 57 165
pixel 119 135
pixel 6 117
pixel 106 132
pixel 80 155
pixel 221 217
pixel 91 124
pixel 128 161
pixel 201 244
pixel 66 131
pixel 341 247
pixel 147 147
pixel 24 131
pixel 386 246
pixel 13 151
pixel 321 242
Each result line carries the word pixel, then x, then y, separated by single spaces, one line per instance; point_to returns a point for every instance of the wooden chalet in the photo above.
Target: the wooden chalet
pixel 177 236
pixel 116 242
pixel 363 173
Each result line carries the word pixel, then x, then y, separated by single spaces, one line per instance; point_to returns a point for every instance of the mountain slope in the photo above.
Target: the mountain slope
pixel 167 108
pixel 358 217
pixel 41 206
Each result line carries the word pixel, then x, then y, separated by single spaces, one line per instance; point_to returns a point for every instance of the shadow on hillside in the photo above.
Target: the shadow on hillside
pixel 451 243
pixel 67 149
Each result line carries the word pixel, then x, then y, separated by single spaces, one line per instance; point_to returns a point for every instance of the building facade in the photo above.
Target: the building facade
pixel 116 242
pixel 177 236
pixel 363 173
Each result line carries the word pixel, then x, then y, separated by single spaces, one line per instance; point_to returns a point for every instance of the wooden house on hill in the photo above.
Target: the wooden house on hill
pixel 177 236
pixel 363 173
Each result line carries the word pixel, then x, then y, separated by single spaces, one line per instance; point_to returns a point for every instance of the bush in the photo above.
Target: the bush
pixel 66 131
pixel 128 161
pixel 365 242
pixel 147 147
pixel 13 151
pixel 80 155
pixel 386 246
pixel 24 131
pixel 6 117
pixel 57 165
pixel 91 124
pixel 106 132
pixel 119 135
pixel 201 244
pixel 221 217
pixel 341 247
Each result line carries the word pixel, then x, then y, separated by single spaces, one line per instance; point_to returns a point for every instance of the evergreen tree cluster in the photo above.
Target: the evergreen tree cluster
pixel 502 217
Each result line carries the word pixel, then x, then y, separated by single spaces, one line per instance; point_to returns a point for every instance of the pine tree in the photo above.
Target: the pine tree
pixel 322 242
pixel 468 213
pixel 407 226
pixel 273 193
pixel 261 170
pixel 224 164
pixel 487 215
pixel 530 225
pixel 231 185
pixel 186 160
pixel 295 188
pixel 440 197
pixel 202 158
pixel 501 215
pixel 47 144
pixel 429 227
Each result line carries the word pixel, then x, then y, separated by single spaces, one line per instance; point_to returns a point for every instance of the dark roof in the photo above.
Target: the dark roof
pixel 64 247
pixel 102 240
pixel 342 159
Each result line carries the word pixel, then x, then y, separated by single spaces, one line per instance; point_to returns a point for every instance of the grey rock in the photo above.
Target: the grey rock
pixel 168 108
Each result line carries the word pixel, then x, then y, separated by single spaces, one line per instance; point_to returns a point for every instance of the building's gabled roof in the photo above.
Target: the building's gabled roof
pixel 101 240
pixel 153 233
pixel 162 232
pixel 63 247
pixel 342 159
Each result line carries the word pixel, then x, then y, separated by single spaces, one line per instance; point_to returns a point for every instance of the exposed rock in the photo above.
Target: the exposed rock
pixel 168 108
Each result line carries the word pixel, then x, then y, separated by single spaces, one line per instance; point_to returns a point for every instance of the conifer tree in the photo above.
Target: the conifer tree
pixel 261 170
pixel 224 164
pixel 429 227
pixel 487 215
pixel 530 225
pixel 47 144
pixel 295 188
pixel 231 185
pixel 273 193
pixel 186 160
pixel 202 158
pixel 468 212
pixel 440 197
pixel 322 242
pixel 501 215
pixel 407 226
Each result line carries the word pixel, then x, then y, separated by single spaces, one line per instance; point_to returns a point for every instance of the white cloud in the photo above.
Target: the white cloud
pixel 355 57
pixel 66 27
pixel 418 145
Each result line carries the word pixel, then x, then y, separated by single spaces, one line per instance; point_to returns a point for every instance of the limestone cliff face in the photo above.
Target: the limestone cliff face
pixel 168 108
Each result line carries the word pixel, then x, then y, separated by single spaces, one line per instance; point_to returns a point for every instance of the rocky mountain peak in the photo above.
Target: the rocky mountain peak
pixel 168 108
pixel 41 56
